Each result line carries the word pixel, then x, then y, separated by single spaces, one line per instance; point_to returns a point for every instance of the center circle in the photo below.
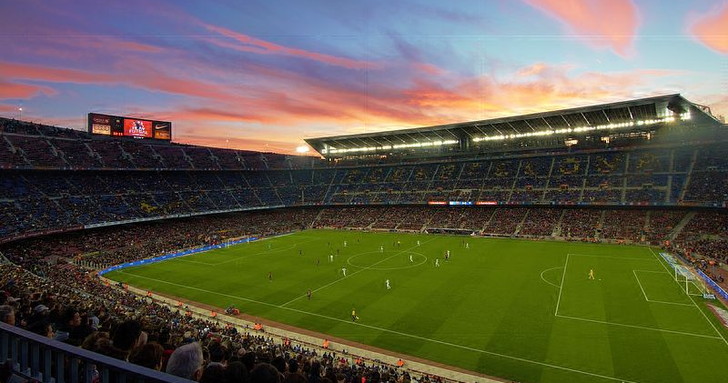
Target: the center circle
pixel 417 260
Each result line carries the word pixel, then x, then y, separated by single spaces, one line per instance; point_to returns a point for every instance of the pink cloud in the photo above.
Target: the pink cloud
pixel 24 91
pixel 137 75
pixel 247 43
pixel 429 69
pixel 8 109
pixel 37 72
pixel 711 29
pixel 611 23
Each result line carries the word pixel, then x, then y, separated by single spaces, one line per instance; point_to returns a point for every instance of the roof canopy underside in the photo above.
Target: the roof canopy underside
pixel 634 114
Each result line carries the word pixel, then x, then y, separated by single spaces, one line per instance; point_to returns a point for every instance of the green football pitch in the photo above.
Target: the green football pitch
pixel 515 309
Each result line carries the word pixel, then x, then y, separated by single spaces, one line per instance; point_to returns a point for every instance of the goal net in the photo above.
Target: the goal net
pixel 689 280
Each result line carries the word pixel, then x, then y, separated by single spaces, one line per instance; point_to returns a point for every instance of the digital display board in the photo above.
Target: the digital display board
pixel 137 128
pixel 129 127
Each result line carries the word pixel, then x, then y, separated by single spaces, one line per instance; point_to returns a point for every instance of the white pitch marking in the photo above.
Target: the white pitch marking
pixel 636 326
pixel 561 288
pixel 653 300
pixel 544 279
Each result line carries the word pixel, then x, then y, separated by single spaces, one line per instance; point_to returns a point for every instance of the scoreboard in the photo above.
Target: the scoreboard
pixel 129 127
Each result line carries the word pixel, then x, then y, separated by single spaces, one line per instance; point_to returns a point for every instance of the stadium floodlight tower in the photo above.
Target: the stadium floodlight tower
pixel 686 275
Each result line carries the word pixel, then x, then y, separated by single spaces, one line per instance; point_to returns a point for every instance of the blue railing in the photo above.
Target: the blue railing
pixel 47 360
pixel 175 255
pixel 712 284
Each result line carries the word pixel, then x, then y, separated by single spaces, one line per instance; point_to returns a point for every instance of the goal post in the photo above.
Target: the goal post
pixel 689 280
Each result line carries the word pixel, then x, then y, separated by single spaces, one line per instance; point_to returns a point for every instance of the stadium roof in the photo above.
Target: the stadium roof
pixel 465 136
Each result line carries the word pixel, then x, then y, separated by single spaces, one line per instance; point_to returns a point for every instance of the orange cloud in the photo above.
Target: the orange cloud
pixel 247 43
pixel 611 23
pixel 532 70
pixel 711 29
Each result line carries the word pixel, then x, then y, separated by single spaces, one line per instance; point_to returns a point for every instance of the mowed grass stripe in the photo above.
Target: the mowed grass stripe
pixel 487 310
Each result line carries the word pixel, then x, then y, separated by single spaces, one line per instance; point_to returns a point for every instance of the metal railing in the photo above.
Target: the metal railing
pixel 48 360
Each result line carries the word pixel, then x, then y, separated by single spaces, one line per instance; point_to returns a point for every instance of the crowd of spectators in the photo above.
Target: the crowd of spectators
pixel 505 221
pixel 627 225
pixel 705 234
pixel 661 223
pixel 580 223
pixel 540 222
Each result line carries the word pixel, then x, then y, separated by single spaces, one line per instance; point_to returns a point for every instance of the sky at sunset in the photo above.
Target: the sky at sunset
pixel 263 75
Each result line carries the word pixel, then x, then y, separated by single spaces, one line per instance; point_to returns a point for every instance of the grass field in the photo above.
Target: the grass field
pixel 521 310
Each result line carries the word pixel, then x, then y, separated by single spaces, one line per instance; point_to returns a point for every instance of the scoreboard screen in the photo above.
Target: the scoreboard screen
pixel 128 127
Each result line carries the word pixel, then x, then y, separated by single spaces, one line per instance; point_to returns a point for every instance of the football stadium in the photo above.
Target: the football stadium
pixel 410 191
pixel 574 245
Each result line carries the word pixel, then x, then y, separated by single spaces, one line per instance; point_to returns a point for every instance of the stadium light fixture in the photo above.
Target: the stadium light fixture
pixel 302 149
pixel 425 144
pixel 582 129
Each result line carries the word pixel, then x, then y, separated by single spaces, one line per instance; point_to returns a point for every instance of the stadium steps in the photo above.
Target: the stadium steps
pixel 646 227
pixel 600 224
pixel 520 224
pixel 490 218
pixel 513 185
pixel 548 180
pixel 690 173
pixel 557 228
pixel 585 177
pixel 313 223
pixel 678 228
